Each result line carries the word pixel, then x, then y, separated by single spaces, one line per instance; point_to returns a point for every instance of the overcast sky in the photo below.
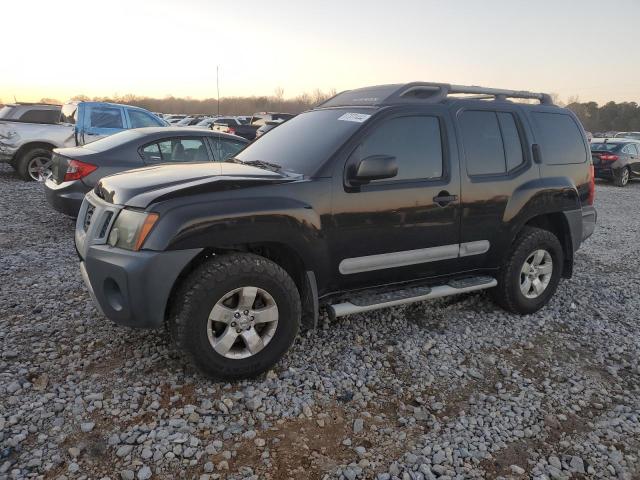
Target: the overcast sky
pixel 62 48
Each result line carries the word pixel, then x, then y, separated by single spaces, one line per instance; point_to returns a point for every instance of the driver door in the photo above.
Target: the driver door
pixel 401 228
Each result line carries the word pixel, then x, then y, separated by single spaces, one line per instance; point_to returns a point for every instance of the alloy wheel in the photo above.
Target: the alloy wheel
pixel 242 322
pixel 536 273
pixel 40 168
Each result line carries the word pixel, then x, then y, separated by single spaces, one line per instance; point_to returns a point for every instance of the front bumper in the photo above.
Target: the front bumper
pixel 65 197
pixel 7 152
pixel 133 288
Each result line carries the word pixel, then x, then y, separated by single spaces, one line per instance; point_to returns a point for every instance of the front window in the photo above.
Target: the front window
pixel 304 143
pixel 105 117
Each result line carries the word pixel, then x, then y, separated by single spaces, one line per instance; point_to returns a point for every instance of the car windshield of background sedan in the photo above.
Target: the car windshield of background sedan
pixel 302 144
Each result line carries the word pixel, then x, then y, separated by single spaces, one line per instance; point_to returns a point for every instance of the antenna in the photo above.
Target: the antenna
pixel 14 99
pixel 218 86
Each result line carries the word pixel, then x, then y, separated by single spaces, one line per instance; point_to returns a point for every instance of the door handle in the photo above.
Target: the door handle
pixel 443 199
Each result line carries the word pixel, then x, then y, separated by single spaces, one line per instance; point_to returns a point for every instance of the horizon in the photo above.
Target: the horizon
pixel 164 48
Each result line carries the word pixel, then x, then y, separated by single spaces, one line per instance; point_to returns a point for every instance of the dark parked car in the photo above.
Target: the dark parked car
pixel 616 159
pixel 409 194
pixel 235 126
pixel 76 170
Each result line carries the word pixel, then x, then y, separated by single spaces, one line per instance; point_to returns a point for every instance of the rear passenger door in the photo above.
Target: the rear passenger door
pixel 495 162
pixel 401 228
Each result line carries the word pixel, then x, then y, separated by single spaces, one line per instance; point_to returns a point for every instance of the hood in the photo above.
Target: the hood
pixel 140 187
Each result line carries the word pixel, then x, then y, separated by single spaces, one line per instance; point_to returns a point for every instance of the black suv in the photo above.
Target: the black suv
pixel 381 196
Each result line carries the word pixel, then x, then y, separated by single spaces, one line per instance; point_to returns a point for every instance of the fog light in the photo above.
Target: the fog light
pixel 113 237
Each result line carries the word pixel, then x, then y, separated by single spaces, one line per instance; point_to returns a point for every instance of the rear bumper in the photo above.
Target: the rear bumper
pixel 589 219
pixel 133 288
pixel 66 197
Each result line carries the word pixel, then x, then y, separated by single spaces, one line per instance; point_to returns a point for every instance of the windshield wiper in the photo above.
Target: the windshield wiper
pixel 258 163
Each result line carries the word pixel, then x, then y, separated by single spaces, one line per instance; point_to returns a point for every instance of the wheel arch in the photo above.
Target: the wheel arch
pixel 280 253
pixel 31 146
pixel 558 224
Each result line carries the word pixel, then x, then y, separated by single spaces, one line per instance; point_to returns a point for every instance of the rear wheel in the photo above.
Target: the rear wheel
pixel 236 315
pixel 621 177
pixel 531 272
pixel 35 164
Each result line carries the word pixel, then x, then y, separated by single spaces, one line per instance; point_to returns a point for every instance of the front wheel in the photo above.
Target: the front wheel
pixel 531 272
pixel 236 316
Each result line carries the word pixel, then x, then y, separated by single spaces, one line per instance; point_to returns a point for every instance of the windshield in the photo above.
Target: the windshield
pixel 115 140
pixel 6 110
pixel 305 142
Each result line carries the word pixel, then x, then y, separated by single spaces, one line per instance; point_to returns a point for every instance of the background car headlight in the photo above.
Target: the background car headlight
pixel 131 229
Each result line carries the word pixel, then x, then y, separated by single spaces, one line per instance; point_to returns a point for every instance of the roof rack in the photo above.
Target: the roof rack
pixel 428 92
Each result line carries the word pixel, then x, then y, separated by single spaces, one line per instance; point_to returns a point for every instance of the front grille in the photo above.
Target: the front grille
pixel 87 217
pixel 105 224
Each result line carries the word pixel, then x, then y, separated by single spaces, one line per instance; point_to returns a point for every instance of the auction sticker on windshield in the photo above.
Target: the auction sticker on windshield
pixel 354 117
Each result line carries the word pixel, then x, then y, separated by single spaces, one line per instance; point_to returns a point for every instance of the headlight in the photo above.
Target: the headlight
pixel 131 229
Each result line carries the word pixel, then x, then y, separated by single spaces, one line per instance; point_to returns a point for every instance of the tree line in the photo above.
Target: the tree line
pixel 611 116
pixel 210 106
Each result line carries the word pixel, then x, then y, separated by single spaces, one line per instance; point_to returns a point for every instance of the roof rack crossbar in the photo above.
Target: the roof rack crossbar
pixel 442 90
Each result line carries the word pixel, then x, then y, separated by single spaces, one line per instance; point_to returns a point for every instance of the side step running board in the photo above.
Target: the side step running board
pixel 370 302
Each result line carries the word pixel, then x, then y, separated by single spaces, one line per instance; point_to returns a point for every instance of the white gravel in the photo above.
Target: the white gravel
pixel 449 389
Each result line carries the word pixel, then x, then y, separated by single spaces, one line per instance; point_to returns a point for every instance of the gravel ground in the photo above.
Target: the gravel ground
pixel 449 389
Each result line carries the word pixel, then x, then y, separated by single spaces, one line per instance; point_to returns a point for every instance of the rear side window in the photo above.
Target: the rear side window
pixel 414 141
pixel 630 149
pixel 560 138
pixel 491 142
pixel 41 116
pixel 141 119
pixel 176 150
pixel 105 117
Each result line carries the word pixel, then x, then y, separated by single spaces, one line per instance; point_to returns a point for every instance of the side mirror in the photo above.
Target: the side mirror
pixel 374 167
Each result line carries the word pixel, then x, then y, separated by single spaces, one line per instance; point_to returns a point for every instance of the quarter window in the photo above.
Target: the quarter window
pixel 491 142
pixel 415 142
pixel 560 139
pixel 176 150
pixel 224 149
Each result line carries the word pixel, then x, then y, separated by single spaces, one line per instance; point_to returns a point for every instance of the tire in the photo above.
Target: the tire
pixel 511 279
pixel 621 177
pixel 27 163
pixel 206 287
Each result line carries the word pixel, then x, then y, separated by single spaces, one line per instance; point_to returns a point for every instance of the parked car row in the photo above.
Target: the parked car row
pixel 243 126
